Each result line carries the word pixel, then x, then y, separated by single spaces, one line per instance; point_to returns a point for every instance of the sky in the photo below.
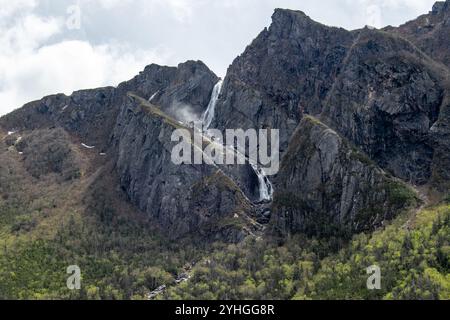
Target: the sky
pixel 59 46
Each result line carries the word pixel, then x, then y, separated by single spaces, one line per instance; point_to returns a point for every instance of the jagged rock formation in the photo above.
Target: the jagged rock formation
pixel 374 88
pixel 189 85
pixel 381 113
pixel 287 70
pixel 385 100
pixel 91 114
pixel 182 198
pixel 429 32
pixel 88 114
pixel 139 142
pixel 328 188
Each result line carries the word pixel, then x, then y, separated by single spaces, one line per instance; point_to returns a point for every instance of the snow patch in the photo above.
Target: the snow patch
pixel 87 147
pixel 153 96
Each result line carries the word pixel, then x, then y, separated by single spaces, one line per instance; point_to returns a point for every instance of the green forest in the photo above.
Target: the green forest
pixel 414 264
pixel 50 223
pixel 126 259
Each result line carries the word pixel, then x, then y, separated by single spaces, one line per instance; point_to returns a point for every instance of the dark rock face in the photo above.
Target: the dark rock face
pixel 187 87
pixel 107 119
pixel 440 138
pixel 385 100
pixel 287 70
pixel 181 198
pixel 327 188
pixel 379 91
pixel 88 114
pixel 439 7
pixel 191 88
pixel 91 114
pixel 382 97
pixel 149 81
pixel 429 32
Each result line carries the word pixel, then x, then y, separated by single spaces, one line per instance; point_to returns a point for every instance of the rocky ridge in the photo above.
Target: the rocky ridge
pixel 362 114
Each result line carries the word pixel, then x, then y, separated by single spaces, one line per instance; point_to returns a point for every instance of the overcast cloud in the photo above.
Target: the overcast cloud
pixel 41 53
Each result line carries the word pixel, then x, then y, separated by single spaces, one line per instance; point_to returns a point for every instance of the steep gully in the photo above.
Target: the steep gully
pixel 266 190
pixel 265 186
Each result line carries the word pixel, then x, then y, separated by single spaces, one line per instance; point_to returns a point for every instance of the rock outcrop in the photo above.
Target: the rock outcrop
pixel 429 32
pixel 358 111
pixel 182 198
pixel 182 92
pixel 91 114
pixel 287 70
pixel 88 114
pixel 385 100
pixel 328 188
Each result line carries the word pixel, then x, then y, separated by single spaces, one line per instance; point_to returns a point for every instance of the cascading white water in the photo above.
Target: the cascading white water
pixel 153 96
pixel 265 186
pixel 208 116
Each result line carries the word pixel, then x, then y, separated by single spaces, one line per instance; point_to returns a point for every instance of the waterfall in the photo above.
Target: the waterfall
pixel 208 116
pixel 153 96
pixel 265 186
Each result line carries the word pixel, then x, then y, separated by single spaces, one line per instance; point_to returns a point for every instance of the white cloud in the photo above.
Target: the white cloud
pixel 9 8
pixel 27 34
pixel 377 12
pixel 109 4
pixel 67 66
pixel 181 8
pixel 31 66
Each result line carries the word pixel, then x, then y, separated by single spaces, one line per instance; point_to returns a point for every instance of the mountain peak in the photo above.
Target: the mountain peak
pixel 282 16
pixel 288 23
pixel 281 11
pixel 440 7
pixel 193 65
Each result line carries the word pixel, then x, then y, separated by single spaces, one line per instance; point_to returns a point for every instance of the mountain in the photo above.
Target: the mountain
pixel 427 32
pixel 364 142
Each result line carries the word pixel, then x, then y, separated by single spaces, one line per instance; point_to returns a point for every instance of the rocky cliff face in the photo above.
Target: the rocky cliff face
pixel 139 142
pixel 328 188
pixel 375 88
pixel 379 91
pixel 287 70
pixel 181 198
pixel 178 91
pixel 359 111
pixel 91 114
pixel 88 114
pixel 385 100
pixel 429 32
